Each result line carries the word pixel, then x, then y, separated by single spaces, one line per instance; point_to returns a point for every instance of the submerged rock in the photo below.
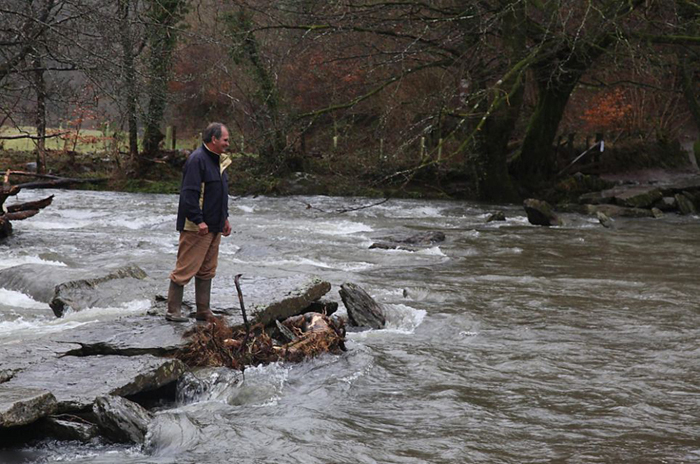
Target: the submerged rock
pixel 363 310
pixel 423 239
pixel 497 216
pixel 121 420
pixel 639 197
pixel 540 213
pixel 23 405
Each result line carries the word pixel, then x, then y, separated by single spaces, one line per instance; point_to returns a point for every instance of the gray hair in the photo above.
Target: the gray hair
pixel 212 130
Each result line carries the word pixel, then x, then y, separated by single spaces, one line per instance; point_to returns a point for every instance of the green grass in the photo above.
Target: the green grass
pixel 87 140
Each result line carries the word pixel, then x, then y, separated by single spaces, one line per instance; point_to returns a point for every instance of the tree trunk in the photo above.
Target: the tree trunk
pixel 129 79
pixel 40 89
pixel 494 180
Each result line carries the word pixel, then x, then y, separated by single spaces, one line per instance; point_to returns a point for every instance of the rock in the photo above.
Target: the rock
pixel 391 246
pixel 68 428
pixel 121 420
pixel 595 198
pixel 17 357
pixel 127 337
pixel 540 213
pixel 21 405
pixel 423 239
pixel 605 220
pixel 618 211
pixel 323 306
pixel 64 288
pixel 292 303
pixel 497 216
pixel 667 204
pixel 658 214
pixel 685 205
pixel 363 311
pixel 77 381
pixel 640 197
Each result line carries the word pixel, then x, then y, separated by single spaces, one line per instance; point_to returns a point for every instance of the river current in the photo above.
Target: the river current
pixel 505 343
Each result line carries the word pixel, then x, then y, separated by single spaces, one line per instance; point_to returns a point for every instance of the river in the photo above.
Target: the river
pixel 506 343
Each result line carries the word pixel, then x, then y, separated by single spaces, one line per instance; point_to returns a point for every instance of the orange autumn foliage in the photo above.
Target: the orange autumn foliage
pixel 609 111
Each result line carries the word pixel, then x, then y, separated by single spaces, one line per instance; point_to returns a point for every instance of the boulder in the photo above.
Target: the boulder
pixel 363 310
pixel 77 381
pixel 605 220
pixel 326 307
pixel 618 211
pixel 21 405
pixel 68 428
pixel 638 197
pixel 658 214
pixel 685 204
pixel 540 213
pixel 121 420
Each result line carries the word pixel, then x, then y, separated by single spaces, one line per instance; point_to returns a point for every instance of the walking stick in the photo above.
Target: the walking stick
pixel 240 299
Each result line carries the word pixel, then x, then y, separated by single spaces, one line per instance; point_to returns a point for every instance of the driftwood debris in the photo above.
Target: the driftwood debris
pixel 217 344
pixel 20 211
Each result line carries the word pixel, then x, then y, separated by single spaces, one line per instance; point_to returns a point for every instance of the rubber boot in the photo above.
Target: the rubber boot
pixel 202 297
pixel 174 313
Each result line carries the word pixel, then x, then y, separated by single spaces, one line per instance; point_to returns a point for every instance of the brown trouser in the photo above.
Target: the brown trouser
pixel 197 255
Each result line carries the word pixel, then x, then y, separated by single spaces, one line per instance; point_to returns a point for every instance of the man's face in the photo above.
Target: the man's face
pixel 220 145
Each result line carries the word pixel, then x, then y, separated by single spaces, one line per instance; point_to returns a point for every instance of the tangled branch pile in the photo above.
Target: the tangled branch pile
pixel 307 335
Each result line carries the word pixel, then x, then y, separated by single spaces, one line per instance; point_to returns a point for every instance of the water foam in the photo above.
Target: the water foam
pixel 400 318
pixel 30 259
pixel 16 299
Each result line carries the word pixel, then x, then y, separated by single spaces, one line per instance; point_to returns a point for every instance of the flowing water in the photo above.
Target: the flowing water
pixel 505 343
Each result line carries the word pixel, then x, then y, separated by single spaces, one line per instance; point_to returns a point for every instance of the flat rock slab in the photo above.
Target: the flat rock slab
pixel 63 288
pixel 20 405
pixel 267 300
pixel 127 336
pixel 618 211
pixel 77 381
pixel 16 357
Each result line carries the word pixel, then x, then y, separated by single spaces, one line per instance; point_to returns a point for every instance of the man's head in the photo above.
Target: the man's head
pixel 215 136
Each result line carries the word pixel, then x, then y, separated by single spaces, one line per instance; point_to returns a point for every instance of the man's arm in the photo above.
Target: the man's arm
pixel 190 192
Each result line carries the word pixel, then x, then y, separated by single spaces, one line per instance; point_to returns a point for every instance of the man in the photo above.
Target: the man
pixel 202 218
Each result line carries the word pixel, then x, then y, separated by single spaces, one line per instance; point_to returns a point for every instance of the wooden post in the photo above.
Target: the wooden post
pixel 422 147
pixel 174 141
pixel 381 149
pixel 168 136
pixel 439 149
pixel 335 142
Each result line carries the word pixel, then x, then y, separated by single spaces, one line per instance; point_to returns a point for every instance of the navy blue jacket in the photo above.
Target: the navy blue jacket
pixel 204 191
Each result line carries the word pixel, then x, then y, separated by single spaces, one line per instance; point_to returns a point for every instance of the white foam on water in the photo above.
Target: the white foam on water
pixel 432 251
pixel 138 223
pixel 20 328
pixel 339 228
pixel 30 259
pixel 400 318
pixel 407 211
pixel 49 225
pixel 20 300
pixel 245 208
pixel 345 266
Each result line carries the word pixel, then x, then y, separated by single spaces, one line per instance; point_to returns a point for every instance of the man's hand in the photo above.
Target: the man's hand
pixel 203 228
pixel 227 229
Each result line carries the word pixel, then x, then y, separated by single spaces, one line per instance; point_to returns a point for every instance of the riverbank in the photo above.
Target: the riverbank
pixel 344 176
